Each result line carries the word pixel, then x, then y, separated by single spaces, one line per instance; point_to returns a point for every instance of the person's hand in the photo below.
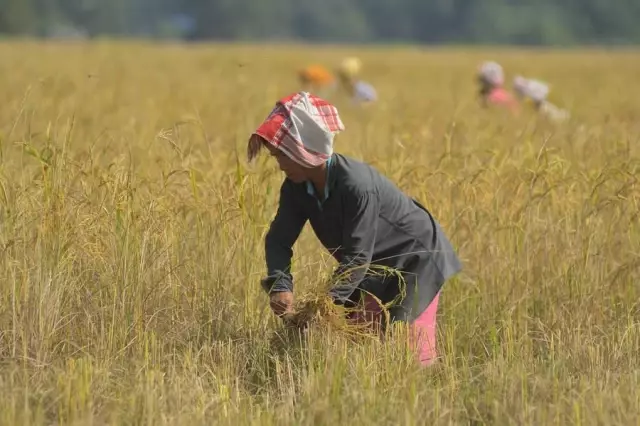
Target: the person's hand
pixel 281 303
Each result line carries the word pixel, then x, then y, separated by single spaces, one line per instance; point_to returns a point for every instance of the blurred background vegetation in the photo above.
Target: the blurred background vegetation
pixel 521 22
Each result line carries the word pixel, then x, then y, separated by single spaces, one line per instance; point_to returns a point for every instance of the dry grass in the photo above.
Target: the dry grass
pixel 131 238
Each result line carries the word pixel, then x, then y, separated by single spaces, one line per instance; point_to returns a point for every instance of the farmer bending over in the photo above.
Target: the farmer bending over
pixel 317 79
pixel 359 216
pixel 492 92
pixel 360 92
pixel 538 91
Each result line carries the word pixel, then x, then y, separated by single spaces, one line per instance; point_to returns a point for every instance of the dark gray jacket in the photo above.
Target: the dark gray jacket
pixel 365 222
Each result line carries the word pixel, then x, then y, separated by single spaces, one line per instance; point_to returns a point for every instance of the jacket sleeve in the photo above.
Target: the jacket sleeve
pixel 283 233
pixel 361 214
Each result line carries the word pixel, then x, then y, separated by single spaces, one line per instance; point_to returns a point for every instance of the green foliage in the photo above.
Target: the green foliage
pixel 525 22
pixel 16 16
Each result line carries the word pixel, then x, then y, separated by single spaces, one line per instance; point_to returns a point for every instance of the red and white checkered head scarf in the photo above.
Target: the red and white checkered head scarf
pixel 302 126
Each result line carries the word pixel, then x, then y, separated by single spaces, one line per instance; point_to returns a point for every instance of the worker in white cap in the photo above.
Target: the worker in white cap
pixel 537 92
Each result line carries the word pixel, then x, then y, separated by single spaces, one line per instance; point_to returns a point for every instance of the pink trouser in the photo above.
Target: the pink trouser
pixel 422 331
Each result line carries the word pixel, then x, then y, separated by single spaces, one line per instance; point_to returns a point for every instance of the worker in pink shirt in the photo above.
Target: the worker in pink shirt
pixel 492 91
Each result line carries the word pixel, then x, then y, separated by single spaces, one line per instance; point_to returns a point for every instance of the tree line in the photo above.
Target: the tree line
pixel 524 22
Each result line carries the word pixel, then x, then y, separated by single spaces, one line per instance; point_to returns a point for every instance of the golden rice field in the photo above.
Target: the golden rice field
pixel 131 240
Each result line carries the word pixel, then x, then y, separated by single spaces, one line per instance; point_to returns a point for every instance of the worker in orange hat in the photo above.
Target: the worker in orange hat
pixel 317 79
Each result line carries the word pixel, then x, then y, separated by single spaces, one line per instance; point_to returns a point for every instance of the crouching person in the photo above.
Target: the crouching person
pixel 359 216
pixel 538 91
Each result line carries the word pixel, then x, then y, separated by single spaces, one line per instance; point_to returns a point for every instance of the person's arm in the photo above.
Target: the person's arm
pixel 359 235
pixel 283 233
